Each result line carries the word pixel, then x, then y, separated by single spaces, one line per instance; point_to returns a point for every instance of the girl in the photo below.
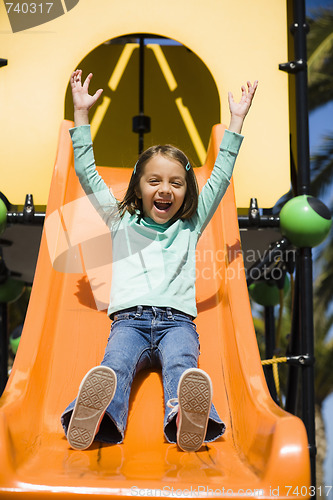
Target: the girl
pixel 154 231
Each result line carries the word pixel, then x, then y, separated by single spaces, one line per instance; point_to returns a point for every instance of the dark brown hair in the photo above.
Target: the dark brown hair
pixel 132 203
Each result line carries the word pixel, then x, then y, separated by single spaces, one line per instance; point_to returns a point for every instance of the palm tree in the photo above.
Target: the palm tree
pixel 320 80
pixel 322 170
pixel 320 57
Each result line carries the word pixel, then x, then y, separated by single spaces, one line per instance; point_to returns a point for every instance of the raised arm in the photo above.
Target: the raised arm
pixel 239 110
pixel 219 180
pixel 94 186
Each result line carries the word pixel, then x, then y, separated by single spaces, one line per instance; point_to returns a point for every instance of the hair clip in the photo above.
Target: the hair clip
pixel 188 166
pixel 134 169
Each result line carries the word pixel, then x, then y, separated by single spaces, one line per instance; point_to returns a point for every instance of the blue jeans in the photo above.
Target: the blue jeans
pixel 148 337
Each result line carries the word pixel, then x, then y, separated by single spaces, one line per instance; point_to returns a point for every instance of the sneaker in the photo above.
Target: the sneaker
pixel 194 399
pixel 95 394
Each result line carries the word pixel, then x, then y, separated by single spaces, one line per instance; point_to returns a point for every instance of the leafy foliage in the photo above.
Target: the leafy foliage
pixel 320 80
pixel 320 57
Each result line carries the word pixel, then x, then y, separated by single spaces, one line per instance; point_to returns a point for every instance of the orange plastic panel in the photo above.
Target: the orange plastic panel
pixel 264 451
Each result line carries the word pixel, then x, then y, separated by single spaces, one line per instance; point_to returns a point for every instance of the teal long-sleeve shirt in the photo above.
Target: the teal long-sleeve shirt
pixel 153 264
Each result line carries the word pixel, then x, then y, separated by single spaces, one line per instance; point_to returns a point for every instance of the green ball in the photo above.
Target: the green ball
pixel 14 343
pixel 14 338
pixel 3 216
pixel 266 293
pixel 11 290
pixel 305 221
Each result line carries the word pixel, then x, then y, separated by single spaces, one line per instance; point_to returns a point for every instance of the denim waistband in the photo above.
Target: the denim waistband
pixel 169 311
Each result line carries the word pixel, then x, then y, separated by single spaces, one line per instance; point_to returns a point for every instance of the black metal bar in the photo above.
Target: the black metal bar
pixel 300 360
pixel 141 74
pixel 19 218
pixel 307 347
pixel 269 349
pixel 141 89
pixel 299 30
pixel 3 346
pixel 141 122
pixel 293 349
pixel 27 216
pixel 265 221
pixel 253 213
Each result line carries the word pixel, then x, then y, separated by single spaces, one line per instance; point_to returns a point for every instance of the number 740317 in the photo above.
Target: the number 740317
pixel 29 8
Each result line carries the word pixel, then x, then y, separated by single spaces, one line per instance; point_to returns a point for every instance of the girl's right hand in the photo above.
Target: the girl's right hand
pixel 81 99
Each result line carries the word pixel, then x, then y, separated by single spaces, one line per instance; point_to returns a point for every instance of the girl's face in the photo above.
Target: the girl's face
pixel 162 188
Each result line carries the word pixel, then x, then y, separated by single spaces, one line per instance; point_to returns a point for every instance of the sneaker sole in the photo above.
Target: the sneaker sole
pixel 95 394
pixel 194 398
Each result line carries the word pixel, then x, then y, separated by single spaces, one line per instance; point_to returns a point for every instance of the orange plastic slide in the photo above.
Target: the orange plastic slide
pixel 264 451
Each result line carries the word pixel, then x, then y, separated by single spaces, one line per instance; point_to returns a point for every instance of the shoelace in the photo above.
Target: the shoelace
pixel 173 403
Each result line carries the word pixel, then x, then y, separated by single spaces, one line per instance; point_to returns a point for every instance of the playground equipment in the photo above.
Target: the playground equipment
pixel 305 221
pixel 263 448
pixel 214 33
pixel 3 216
pixel 266 293
pixel 266 448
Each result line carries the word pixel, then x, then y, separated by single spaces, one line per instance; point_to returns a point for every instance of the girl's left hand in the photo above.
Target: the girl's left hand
pixel 242 107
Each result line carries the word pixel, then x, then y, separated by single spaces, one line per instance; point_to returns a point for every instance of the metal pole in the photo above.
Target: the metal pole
pixel 294 349
pixel 3 320
pixel 270 348
pixel 3 346
pixel 141 122
pixel 141 88
pixel 300 30
pixel 307 343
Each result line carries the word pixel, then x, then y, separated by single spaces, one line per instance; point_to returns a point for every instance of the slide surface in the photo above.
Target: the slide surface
pixel 264 450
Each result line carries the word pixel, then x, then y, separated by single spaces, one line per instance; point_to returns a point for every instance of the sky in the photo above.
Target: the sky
pixel 321 124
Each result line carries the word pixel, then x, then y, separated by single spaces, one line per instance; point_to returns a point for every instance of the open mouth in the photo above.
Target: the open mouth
pixel 162 206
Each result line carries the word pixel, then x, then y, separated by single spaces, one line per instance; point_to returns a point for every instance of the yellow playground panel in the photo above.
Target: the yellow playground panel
pixel 221 44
